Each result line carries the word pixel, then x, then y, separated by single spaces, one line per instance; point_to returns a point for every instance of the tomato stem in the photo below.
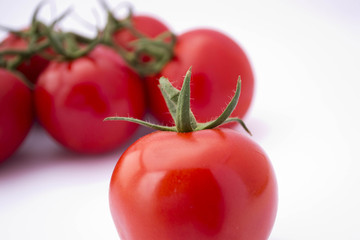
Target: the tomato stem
pixel 178 103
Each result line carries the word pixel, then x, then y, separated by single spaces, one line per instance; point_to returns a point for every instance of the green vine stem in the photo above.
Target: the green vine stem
pixel 161 50
pixel 178 102
pixel 18 56
pixel 67 45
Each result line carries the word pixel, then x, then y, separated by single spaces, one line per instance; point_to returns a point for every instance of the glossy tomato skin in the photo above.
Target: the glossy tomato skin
pixel 211 184
pixel 146 25
pixel 31 68
pixel 73 98
pixel 16 113
pixel 216 61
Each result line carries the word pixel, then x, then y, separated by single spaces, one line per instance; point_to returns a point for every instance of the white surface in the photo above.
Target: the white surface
pixel 305 115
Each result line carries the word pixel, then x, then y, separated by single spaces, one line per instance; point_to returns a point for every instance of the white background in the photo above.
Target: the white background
pixel 305 115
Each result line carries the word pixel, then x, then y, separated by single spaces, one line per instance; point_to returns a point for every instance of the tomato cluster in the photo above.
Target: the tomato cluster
pixel 77 81
pixel 72 83
pixel 194 182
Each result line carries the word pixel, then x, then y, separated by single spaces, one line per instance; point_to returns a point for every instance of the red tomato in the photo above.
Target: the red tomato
pixel 72 99
pixel 146 25
pixel 32 67
pixel 16 113
pixel 211 184
pixel 216 61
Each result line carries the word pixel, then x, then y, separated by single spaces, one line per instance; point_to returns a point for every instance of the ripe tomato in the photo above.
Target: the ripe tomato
pixel 16 113
pixel 32 67
pixel 211 184
pixel 216 62
pixel 146 25
pixel 72 99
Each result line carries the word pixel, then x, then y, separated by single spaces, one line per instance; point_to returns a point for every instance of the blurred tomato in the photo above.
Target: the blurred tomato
pixel 16 113
pixel 73 97
pixel 217 61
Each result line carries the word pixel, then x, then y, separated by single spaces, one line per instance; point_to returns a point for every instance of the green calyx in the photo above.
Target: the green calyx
pixel 159 49
pixel 178 103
